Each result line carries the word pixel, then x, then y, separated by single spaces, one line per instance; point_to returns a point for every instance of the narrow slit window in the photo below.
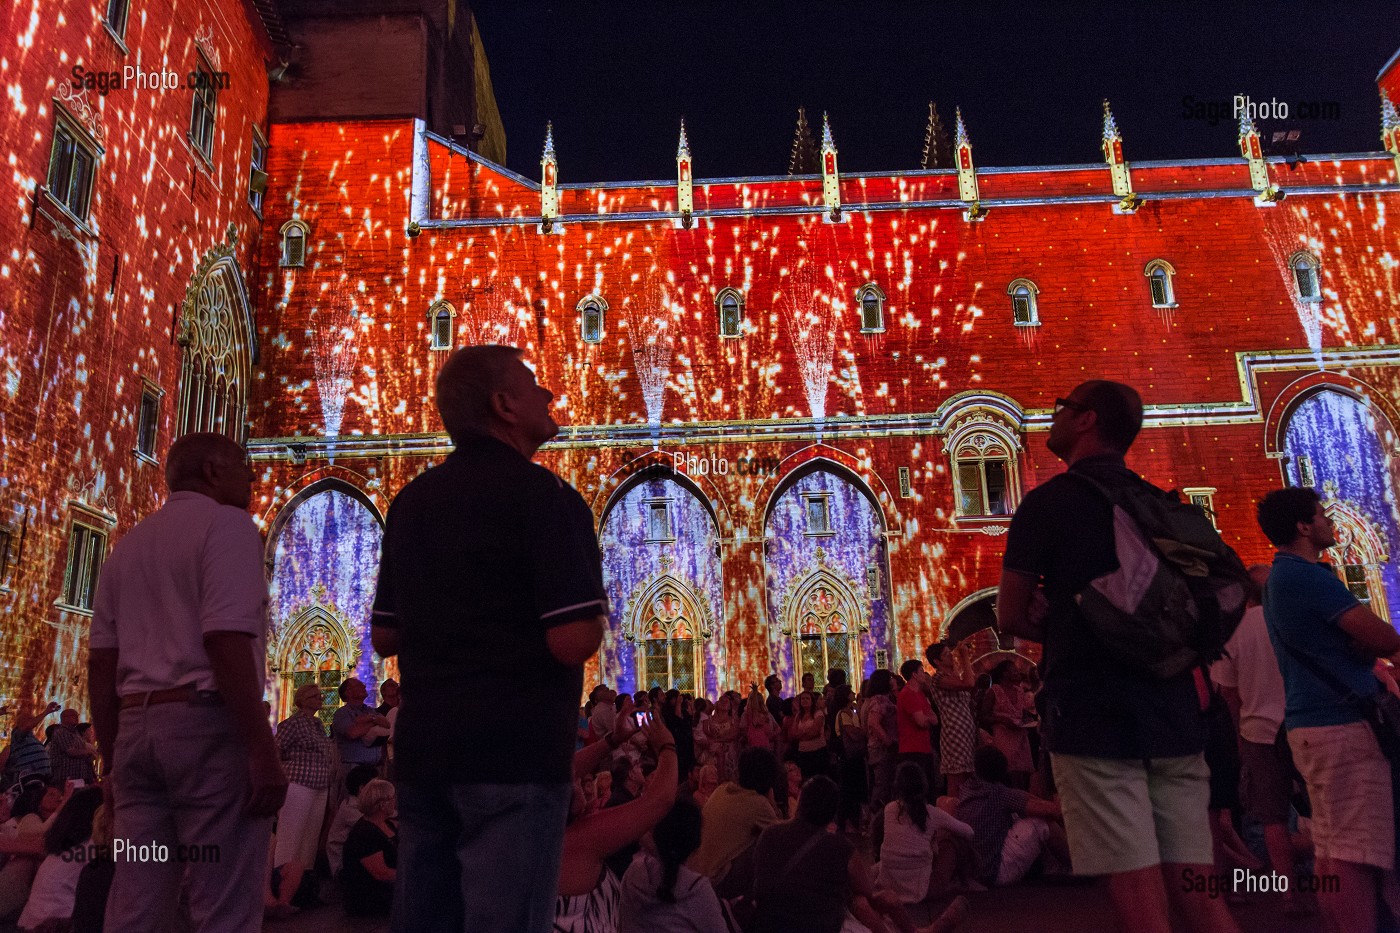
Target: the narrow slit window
pixel 148 422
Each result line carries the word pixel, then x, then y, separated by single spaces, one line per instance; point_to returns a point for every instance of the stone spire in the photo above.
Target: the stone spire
pixel 938 150
pixel 685 192
pixel 1254 154
pixel 831 180
pixel 1390 130
pixel 967 172
pixel 1110 125
pixel 549 183
pixel 803 160
pixel 1118 166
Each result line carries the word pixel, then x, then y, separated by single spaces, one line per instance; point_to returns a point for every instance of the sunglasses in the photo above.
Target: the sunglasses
pixel 1062 403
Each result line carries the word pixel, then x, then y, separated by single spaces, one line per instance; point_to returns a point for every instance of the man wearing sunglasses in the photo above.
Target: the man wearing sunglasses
pixel 1126 748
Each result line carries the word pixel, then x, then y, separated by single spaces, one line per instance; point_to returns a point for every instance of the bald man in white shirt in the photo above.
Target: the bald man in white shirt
pixel 176 670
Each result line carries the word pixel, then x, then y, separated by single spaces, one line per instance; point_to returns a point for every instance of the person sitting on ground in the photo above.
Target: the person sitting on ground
pixel 808 878
pixel 371 854
pixel 736 813
pixel 588 892
pixel 95 878
pixel 1012 829
pixel 910 831
pixel 627 784
pixel 706 783
pixel 52 895
pixel 347 815
pixel 661 895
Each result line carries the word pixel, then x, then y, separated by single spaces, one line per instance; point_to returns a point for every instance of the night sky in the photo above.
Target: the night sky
pixel 615 77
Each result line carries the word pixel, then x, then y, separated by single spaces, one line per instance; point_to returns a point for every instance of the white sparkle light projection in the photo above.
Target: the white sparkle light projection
pixel 810 312
pixel 651 338
pixel 335 325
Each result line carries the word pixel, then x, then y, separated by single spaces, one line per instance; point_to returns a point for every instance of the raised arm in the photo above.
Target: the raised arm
pixel 596 836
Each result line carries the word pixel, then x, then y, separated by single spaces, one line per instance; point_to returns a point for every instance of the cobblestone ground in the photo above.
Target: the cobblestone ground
pixel 1029 908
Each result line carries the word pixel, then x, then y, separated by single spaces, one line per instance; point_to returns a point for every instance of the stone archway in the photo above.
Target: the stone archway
pixel 317 646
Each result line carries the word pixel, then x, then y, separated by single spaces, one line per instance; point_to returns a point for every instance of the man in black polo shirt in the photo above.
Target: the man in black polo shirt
pixel 490 590
pixel 1126 749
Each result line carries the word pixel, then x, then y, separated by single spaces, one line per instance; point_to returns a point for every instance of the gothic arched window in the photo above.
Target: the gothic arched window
pixel 670 649
pixel 871 299
pixel 730 304
pixel 983 475
pixel 1024 311
pixel 440 317
pixel 823 631
pixel 590 312
pixel 1305 276
pixel 216 363
pixel 294 243
pixel 1159 280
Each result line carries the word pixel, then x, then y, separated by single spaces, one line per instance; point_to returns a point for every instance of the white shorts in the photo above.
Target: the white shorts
pixel 1024 842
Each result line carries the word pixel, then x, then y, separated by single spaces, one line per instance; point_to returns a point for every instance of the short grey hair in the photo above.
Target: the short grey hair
pixel 469 379
pixel 184 463
pixel 374 795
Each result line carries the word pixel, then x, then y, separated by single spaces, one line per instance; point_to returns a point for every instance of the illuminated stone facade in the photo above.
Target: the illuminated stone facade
pixel 856 371
pixel 916 331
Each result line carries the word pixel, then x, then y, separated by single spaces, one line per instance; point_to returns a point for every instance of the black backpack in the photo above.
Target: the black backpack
pixel 1179 591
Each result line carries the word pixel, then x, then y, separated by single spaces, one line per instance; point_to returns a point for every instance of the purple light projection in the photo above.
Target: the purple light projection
pixel 634 561
pixel 325 565
pixel 1347 462
pixel 821 575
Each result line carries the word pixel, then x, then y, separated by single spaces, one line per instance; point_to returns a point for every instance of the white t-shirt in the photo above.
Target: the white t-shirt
pixel 54 891
pixel 906 856
pixel 1251 667
pixel 190 568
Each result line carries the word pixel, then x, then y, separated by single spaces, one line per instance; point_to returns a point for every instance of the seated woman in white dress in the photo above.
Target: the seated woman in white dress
pixel 917 837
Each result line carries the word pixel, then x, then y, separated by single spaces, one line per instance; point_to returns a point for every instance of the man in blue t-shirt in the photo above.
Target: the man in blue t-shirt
pixel 1326 642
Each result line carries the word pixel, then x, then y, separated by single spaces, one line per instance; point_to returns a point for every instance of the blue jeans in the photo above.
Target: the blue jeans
pixel 482 858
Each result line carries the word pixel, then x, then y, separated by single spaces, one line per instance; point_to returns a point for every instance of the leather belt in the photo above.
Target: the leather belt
pixel 185 693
